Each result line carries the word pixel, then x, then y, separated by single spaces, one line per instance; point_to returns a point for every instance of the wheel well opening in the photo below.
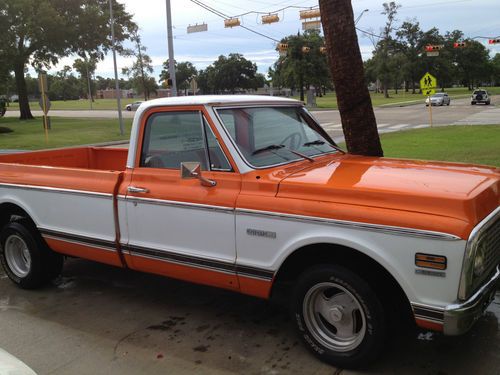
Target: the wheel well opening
pixel 10 211
pixel 384 284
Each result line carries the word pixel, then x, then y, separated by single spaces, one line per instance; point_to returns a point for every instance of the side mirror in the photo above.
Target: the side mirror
pixel 193 170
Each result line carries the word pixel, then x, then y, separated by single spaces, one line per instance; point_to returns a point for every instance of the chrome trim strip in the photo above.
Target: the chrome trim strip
pixel 79 240
pixel 57 190
pixel 193 265
pixel 428 313
pixel 354 225
pixel 349 224
pixel 198 262
pixel 161 202
pixel 466 277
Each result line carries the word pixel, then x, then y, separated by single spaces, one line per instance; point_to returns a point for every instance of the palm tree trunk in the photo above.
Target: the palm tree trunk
pixel 353 98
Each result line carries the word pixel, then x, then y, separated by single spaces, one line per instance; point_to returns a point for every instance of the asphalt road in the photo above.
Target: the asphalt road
pixel 102 320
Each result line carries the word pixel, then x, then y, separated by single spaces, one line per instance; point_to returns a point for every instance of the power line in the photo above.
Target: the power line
pixel 225 16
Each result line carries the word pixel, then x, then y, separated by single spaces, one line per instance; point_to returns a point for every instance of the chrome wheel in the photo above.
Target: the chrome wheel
pixel 334 317
pixel 17 255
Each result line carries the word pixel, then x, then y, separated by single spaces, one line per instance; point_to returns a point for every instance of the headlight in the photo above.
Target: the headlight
pixel 479 260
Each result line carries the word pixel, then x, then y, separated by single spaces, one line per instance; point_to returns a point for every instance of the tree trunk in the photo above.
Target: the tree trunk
pixel 22 92
pixel 353 98
pixel 301 83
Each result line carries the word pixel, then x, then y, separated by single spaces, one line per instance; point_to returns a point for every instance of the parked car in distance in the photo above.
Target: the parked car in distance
pixel 441 98
pixel 10 365
pixel 480 96
pixel 133 106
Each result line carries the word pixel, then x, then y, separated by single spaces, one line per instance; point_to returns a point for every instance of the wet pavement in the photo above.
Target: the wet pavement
pixel 98 319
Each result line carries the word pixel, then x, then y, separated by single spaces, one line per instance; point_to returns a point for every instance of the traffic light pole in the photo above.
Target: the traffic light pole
pixel 171 60
pixel 117 85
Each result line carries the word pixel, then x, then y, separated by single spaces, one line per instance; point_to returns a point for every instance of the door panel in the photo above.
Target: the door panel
pixel 177 227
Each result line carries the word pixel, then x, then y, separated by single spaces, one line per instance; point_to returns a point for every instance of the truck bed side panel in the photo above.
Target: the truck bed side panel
pixel 72 208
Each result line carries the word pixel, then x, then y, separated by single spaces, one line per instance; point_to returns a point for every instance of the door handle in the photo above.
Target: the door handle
pixel 134 189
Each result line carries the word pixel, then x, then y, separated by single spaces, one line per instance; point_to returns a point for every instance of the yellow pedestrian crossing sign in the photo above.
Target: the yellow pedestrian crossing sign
pixel 428 84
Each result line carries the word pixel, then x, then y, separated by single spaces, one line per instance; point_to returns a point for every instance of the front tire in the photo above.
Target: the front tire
pixel 27 260
pixel 338 316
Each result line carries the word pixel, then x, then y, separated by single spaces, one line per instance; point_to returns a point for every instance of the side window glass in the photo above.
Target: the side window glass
pixel 218 160
pixel 171 138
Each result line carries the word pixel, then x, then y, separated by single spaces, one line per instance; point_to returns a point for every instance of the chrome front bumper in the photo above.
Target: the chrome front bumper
pixel 459 318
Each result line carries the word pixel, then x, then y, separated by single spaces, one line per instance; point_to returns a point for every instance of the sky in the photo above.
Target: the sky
pixel 473 17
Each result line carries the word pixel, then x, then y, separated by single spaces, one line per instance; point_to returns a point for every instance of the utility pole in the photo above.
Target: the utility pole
pixel 88 83
pixel 117 86
pixel 171 61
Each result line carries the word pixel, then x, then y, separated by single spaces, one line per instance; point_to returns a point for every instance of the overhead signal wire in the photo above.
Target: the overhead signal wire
pixel 225 16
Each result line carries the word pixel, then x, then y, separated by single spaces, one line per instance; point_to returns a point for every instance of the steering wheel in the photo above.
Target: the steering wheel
pixel 294 139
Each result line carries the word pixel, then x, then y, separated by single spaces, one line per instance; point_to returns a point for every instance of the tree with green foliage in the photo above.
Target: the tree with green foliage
pixel 40 32
pixel 142 67
pixel 304 64
pixel 184 73
pixel 409 37
pixel 64 85
pixel 86 68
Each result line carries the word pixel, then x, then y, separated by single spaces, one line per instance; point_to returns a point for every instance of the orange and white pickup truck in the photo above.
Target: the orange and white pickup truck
pixel 250 194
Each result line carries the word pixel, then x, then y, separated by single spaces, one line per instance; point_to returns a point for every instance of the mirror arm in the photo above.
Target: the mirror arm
pixel 204 181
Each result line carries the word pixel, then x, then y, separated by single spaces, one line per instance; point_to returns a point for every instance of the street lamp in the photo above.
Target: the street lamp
pixel 359 17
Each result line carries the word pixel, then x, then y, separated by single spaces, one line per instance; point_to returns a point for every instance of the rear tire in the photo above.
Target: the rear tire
pixel 338 316
pixel 27 260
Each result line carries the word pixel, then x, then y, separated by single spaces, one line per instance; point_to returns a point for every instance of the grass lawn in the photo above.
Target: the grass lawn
pixel 29 135
pixel 330 99
pixel 477 144
pixel 83 104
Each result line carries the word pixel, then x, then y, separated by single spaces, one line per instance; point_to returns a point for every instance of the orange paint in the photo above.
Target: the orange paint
pixel 84 251
pixel 183 272
pixel 255 287
pixel 426 324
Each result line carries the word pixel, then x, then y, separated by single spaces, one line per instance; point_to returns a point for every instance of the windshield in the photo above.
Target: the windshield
pixel 437 95
pixel 267 136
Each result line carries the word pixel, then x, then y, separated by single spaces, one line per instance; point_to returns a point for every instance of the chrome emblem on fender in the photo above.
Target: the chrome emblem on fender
pixel 261 233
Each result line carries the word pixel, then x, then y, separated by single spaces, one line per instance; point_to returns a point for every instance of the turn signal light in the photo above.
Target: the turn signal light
pixel 437 262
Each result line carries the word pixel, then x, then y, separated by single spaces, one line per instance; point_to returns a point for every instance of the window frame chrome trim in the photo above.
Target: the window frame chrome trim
pixel 233 142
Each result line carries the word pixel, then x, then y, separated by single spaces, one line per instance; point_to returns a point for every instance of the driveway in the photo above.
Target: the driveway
pixel 103 320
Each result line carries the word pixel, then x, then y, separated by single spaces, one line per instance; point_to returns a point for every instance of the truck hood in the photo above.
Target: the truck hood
pixel 460 191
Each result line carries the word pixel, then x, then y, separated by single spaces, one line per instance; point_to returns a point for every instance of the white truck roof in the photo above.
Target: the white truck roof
pixel 217 100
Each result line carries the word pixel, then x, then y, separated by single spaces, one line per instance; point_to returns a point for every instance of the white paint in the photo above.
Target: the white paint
pixel 394 252
pixel 85 215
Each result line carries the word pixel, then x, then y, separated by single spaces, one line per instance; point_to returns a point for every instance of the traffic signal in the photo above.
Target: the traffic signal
pixel 459 45
pixel 232 22
pixel 306 49
pixel 436 47
pixel 494 41
pixel 322 50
